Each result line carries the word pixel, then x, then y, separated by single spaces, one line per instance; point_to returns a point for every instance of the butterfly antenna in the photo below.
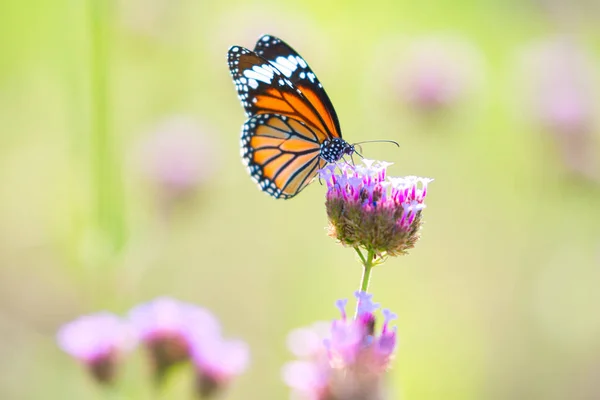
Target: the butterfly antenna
pixel 351 160
pixel 378 141
pixel 359 148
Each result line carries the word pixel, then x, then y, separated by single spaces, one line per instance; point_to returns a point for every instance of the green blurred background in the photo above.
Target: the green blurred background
pixel 499 300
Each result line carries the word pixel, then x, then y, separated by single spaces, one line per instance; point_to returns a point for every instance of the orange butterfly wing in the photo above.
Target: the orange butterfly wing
pixel 287 60
pixel 291 116
pixel 281 153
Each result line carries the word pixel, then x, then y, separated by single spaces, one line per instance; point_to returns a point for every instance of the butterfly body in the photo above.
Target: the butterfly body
pixel 292 130
pixel 333 150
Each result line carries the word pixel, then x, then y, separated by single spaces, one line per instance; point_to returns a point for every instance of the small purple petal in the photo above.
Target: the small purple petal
pixel 365 303
pixel 387 342
pixel 341 305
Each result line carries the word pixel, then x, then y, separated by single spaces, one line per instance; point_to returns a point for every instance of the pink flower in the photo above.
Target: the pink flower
pixel 98 341
pixel 367 208
pixel 562 78
pixel 437 73
pixel 216 360
pixel 178 156
pixel 163 325
pixel 350 362
pixel 176 332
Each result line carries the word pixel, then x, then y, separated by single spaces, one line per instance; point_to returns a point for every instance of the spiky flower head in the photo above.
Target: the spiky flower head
pixel 368 209
pixel 350 362
pixel 98 341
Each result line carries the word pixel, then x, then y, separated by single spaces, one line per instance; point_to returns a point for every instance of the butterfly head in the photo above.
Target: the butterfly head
pixel 333 150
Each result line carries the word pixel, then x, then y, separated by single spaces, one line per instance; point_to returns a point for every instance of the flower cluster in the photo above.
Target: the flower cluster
pixel 173 332
pixel 346 363
pixel 368 209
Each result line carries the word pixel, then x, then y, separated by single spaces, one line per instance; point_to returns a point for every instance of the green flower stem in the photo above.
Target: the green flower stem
pixel 360 254
pixel 367 267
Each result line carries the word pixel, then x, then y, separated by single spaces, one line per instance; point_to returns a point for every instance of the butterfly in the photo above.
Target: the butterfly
pixel 292 129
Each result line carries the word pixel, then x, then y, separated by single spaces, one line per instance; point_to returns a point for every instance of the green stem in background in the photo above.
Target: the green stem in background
pixel 106 181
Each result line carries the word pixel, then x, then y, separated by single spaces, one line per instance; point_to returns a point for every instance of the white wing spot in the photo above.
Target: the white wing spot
pixel 301 62
pixel 258 74
pixel 285 66
pixel 252 82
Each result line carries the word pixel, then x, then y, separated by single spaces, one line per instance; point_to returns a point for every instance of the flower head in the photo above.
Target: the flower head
pixel 562 76
pixel 177 157
pixel 164 326
pixel 368 209
pixel 562 79
pixel 175 332
pixel 216 360
pixel 350 362
pixel 438 72
pixel 97 340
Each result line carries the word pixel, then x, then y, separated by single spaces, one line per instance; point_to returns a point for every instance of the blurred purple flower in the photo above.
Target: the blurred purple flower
pixel 164 326
pixel 217 361
pixel 436 73
pixel 175 332
pixel 178 156
pixel 350 362
pixel 562 78
pixel 564 84
pixel 97 340
pixel 368 209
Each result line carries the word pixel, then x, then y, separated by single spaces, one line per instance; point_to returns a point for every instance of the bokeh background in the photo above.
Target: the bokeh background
pixel 121 181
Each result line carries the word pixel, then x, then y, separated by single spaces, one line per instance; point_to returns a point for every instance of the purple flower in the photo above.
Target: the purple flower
pixel 163 325
pixel 97 340
pixel 562 78
pixel 216 360
pixel 178 156
pixel 351 360
pixel 175 332
pixel 437 72
pixel 368 209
